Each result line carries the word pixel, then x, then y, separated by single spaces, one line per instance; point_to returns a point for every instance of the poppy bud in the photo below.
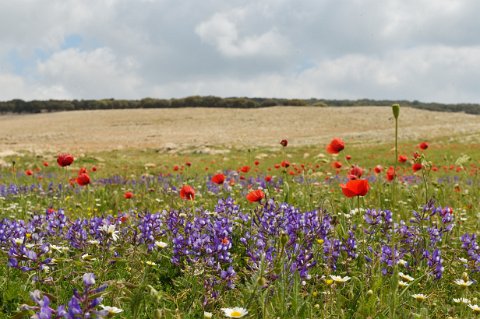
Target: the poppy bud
pixel 396 110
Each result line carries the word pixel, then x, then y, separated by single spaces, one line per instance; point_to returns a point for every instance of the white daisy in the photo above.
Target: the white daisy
pixel 463 282
pixel 405 277
pixel 419 297
pixel 475 308
pixel 461 300
pixel 111 310
pixel 110 231
pixel 207 314
pixel 235 312
pixel 339 278
pixel 161 244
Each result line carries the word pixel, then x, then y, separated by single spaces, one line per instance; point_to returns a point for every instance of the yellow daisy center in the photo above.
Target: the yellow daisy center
pixel 236 314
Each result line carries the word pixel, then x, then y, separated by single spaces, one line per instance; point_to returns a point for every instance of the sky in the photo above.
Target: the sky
pixel 426 50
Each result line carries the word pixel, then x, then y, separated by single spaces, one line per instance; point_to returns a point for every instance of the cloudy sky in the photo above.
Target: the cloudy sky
pixel 428 50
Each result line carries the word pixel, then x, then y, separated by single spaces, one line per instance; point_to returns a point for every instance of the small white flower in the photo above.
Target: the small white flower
pixel 88 257
pixel 93 242
pixel 403 283
pixel 59 248
pixel 463 282
pixel 161 244
pixel 207 314
pixel 405 277
pixel 110 231
pixel 475 308
pixel 111 310
pixel 461 300
pixel 419 297
pixel 18 241
pixel 463 260
pixel 339 278
pixel 151 263
pixel 235 312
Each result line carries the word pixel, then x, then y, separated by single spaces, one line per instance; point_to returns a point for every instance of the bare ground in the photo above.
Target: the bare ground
pixel 187 128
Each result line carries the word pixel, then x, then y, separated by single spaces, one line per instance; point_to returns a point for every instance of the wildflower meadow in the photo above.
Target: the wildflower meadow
pixel 340 230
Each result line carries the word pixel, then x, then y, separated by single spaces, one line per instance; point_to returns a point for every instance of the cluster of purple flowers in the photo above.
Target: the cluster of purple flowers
pixel 84 304
pixel 471 247
pixel 421 240
pixel 276 237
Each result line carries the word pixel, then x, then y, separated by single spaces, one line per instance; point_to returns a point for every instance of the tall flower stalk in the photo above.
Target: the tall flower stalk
pixel 396 113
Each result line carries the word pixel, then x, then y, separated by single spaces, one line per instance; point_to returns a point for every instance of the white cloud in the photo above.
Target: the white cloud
pixel 412 72
pixel 14 87
pixel 95 74
pixel 221 31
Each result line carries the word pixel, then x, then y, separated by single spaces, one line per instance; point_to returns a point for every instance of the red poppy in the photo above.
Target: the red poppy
pixel 378 169
pixel 45 164
pixel 188 164
pixel 423 145
pixel 225 241
pixel 218 179
pixel 285 164
pixel 277 166
pixel 358 187
pixel 416 155
pixel 284 143
pixel 65 160
pixel 268 178
pixel 245 169
pixel 390 174
pixel 255 196
pixel 94 168
pixel 82 170
pixel 83 179
pixel 402 158
pixel 29 172
pixel 348 157
pixel 256 162
pixel 337 164
pixel 175 168
pixel 416 167
pixel 187 192
pixel 335 146
pixel 128 195
pixel 355 172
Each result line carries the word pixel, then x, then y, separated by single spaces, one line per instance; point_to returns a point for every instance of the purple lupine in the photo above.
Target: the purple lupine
pixel 435 262
pixel 28 259
pixel 150 228
pixel 471 247
pixel 389 257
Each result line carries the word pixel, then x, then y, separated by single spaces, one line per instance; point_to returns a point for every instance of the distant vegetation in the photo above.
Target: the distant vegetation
pixel 35 106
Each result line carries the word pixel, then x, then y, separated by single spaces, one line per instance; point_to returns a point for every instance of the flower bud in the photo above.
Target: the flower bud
pixel 396 110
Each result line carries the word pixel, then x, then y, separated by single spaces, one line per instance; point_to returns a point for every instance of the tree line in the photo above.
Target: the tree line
pixel 42 106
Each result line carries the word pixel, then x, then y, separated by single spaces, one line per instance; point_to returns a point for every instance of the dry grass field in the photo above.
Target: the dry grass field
pixel 177 129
